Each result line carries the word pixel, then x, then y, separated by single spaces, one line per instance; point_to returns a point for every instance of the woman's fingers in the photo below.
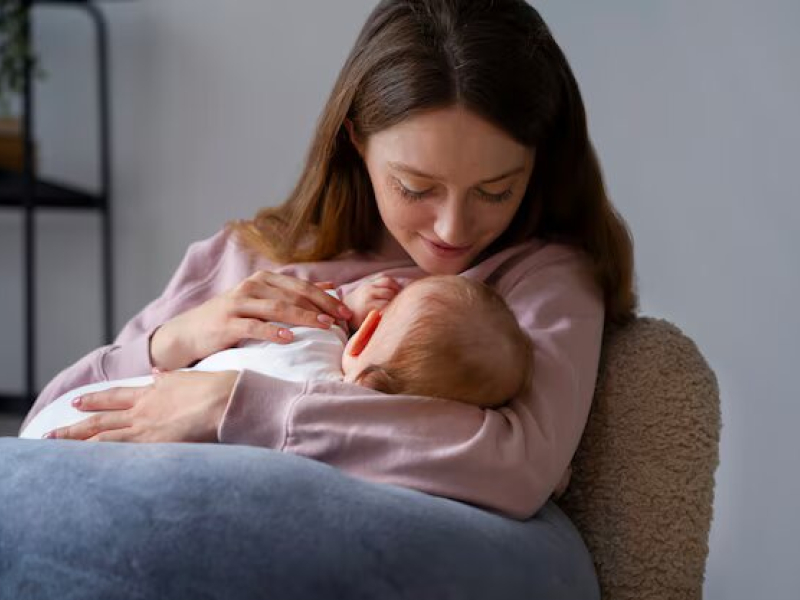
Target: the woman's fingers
pixel 279 310
pixel 257 288
pixel 323 301
pixel 114 402
pixel 114 399
pixel 92 426
pixel 115 435
pixel 256 329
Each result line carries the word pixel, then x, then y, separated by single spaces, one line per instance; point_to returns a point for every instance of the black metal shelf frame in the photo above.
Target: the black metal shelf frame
pixel 27 191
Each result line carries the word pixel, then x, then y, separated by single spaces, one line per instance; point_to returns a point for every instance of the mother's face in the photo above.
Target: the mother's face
pixel 447 184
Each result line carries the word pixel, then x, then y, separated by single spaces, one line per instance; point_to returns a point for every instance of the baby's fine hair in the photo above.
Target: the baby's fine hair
pixel 464 344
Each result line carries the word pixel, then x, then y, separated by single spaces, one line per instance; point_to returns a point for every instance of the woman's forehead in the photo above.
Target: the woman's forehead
pixel 450 145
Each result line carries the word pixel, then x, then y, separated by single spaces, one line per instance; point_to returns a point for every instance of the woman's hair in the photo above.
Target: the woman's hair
pixel 463 343
pixel 496 58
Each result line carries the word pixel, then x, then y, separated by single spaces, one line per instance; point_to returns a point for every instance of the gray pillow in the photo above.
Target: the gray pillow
pixel 152 521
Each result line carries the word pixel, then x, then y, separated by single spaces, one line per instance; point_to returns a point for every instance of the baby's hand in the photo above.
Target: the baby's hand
pixel 374 294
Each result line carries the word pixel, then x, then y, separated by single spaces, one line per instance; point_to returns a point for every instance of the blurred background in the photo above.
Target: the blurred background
pixel 692 108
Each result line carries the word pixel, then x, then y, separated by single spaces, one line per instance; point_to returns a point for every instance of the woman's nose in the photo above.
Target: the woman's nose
pixel 453 223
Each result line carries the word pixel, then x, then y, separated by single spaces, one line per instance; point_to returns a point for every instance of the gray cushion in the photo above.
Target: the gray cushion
pixel 108 520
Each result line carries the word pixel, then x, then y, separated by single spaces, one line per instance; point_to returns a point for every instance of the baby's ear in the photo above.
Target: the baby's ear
pixel 364 334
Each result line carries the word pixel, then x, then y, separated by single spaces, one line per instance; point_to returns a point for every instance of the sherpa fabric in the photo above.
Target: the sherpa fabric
pixel 643 477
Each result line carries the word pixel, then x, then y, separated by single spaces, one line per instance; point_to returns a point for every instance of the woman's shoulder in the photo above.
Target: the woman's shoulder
pixel 217 261
pixel 210 248
pixel 205 256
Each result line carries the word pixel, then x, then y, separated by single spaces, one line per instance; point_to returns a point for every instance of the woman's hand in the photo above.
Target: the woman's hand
pixel 374 294
pixel 243 313
pixel 183 406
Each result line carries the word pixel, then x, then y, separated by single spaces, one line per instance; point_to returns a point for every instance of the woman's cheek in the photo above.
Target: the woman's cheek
pixel 495 220
pixel 399 215
pixel 386 210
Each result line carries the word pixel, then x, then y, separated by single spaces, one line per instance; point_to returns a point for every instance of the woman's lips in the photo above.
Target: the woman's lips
pixel 445 251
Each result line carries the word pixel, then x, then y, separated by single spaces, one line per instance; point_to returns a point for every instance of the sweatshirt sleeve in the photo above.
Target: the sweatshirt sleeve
pixel 129 354
pixel 509 459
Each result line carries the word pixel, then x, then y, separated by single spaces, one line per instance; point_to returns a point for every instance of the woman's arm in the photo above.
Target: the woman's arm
pixel 216 299
pixel 509 459
pixel 129 355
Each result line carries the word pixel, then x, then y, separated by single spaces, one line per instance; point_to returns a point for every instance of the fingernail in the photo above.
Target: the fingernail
pixel 77 401
pixel 285 334
pixel 49 436
pixel 326 319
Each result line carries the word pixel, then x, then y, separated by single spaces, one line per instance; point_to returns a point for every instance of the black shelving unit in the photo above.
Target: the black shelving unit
pixel 29 192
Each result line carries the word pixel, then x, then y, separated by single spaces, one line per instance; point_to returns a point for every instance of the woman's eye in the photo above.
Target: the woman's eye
pixel 501 197
pixel 410 194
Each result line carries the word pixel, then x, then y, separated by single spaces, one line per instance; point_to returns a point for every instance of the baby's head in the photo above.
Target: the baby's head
pixel 444 336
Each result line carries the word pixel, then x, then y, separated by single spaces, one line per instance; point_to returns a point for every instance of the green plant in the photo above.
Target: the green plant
pixel 15 51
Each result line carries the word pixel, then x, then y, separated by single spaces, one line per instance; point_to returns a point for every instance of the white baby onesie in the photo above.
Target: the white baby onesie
pixel 315 354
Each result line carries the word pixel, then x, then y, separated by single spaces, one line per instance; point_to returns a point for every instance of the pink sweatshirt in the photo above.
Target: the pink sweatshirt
pixel 509 459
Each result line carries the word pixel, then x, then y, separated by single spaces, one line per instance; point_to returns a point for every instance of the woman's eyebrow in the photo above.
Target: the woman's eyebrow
pixel 411 170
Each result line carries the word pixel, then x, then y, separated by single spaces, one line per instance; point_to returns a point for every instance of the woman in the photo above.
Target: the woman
pixel 454 141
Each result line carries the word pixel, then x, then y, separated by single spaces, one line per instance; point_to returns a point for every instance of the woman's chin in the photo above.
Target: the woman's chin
pixel 434 266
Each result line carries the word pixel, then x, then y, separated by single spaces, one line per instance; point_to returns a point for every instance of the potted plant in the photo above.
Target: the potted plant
pixel 15 52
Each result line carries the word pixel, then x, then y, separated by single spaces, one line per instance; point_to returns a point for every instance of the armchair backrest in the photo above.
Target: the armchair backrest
pixel 642 487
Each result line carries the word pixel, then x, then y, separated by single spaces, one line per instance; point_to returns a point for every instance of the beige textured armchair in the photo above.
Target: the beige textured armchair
pixel 643 477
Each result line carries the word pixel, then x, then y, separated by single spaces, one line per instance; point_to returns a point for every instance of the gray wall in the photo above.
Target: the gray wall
pixel 691 106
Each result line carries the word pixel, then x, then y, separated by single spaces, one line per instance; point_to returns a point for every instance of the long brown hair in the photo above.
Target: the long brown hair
pixel 496 58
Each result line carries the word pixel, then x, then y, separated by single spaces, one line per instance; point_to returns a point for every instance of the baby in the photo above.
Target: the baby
pixel 444 336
